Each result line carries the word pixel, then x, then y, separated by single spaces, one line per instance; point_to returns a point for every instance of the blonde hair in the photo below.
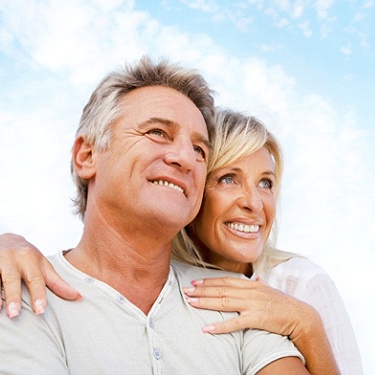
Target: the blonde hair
pixel 105 104
pixel 236 136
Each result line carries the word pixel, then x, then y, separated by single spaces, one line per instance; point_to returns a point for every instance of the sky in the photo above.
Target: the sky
pixel 305 68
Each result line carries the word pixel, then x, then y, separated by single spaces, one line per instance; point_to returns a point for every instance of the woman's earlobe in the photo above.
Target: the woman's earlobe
pixel 83 158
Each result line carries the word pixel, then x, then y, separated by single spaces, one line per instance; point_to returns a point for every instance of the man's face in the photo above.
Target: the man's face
pixel 154 172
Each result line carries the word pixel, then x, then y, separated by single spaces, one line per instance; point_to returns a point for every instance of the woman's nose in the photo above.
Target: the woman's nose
pixel 250 199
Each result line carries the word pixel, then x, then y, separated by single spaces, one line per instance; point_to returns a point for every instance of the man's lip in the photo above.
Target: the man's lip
pixel 177 184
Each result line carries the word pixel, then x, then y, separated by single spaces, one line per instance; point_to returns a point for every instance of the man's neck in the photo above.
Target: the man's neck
pixel 136 269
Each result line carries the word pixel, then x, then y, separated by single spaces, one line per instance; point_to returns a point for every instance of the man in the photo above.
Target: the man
pixel 139 163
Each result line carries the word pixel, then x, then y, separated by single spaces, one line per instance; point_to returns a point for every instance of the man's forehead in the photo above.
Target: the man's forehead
pixel 164 105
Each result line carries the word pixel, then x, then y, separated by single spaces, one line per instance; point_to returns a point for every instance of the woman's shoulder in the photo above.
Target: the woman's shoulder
pixel 299 275
pixel 299 266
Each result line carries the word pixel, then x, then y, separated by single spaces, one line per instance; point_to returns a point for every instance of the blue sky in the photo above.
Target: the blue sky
pixel 305 68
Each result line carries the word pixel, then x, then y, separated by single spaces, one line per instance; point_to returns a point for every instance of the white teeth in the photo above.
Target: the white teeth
pixel 169 184
pixel 243 227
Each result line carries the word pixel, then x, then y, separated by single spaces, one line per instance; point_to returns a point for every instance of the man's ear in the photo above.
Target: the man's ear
pixel 83 159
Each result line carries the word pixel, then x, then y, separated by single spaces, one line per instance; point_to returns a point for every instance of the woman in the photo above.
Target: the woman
pixel 233 231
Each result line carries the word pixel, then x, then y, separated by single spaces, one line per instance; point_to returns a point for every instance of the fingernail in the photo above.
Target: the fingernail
pixel 12 310
pixel 208 329
pixel 197 282
pixel 188 289
pixel 191 299
pixel 38 306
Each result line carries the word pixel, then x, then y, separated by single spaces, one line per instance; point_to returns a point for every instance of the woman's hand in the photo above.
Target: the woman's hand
pixel 259 306
pixel 20 260
pixel 262 307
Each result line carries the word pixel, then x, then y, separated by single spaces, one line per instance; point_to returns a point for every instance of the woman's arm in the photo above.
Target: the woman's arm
pixel 263 307
pixel 19 260
pixel 287 365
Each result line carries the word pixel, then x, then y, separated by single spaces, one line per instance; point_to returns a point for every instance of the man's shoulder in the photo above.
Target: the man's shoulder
pixel 190 272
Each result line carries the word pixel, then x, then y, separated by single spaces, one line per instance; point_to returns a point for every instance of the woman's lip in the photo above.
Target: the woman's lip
pixel 245 229
pixel 244 226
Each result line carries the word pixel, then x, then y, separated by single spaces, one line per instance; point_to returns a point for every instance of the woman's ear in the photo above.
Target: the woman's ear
pixel 83 159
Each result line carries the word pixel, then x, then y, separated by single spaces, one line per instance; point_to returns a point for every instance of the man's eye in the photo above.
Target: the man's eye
pixel 227 179
pixel 156 132
pixel 200 151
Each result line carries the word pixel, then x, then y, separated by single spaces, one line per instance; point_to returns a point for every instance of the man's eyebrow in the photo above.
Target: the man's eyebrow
pixel 156 120
pixel 159 120
pixel 200 138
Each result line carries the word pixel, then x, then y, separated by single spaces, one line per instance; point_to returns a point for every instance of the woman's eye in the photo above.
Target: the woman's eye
pixel 227 179
pixel 266 184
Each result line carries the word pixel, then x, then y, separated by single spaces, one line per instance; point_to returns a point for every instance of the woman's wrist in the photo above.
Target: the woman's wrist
pixel 308 325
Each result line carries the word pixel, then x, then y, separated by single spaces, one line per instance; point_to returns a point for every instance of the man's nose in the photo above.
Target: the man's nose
pixel 182 155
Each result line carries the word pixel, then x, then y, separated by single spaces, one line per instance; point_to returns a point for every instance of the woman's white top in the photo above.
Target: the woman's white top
pixel 308 282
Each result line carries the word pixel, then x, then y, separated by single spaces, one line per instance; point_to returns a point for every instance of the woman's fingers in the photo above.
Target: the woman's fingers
pixel 58 286
pixel 212 299
pixel 224 288
pixel 13 271
pixel 20 260
pixel 231 325
pixel 11 282
pixel 235 282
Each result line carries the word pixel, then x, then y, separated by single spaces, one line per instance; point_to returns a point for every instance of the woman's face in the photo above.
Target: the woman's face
pixel 237 212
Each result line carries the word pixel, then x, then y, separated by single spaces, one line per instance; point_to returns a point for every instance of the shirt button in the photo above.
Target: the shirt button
pixel 151 324
pixel 157 354
pixel 89 280
pixel 120 299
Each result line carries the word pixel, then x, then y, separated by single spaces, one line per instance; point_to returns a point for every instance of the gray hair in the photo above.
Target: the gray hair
pixel 105 105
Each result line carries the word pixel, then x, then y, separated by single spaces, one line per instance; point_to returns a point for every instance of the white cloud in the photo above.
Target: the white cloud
pixel 325 31
pixel 243 23
pixel 298 9
pixel 207 6
pixel 346 50
pixel 306 29
pixel 328 209
pixel 282 23
pixel 74 35
pixel 283 5
pixel 271 48
pixel 322 7
pixel 368 4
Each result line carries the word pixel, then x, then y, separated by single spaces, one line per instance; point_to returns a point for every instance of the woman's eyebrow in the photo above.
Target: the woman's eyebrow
pixel 264 173
pixel 269 173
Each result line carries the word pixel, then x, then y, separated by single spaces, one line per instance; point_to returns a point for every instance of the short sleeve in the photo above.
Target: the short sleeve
pixel 29 346
pixel 261 348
